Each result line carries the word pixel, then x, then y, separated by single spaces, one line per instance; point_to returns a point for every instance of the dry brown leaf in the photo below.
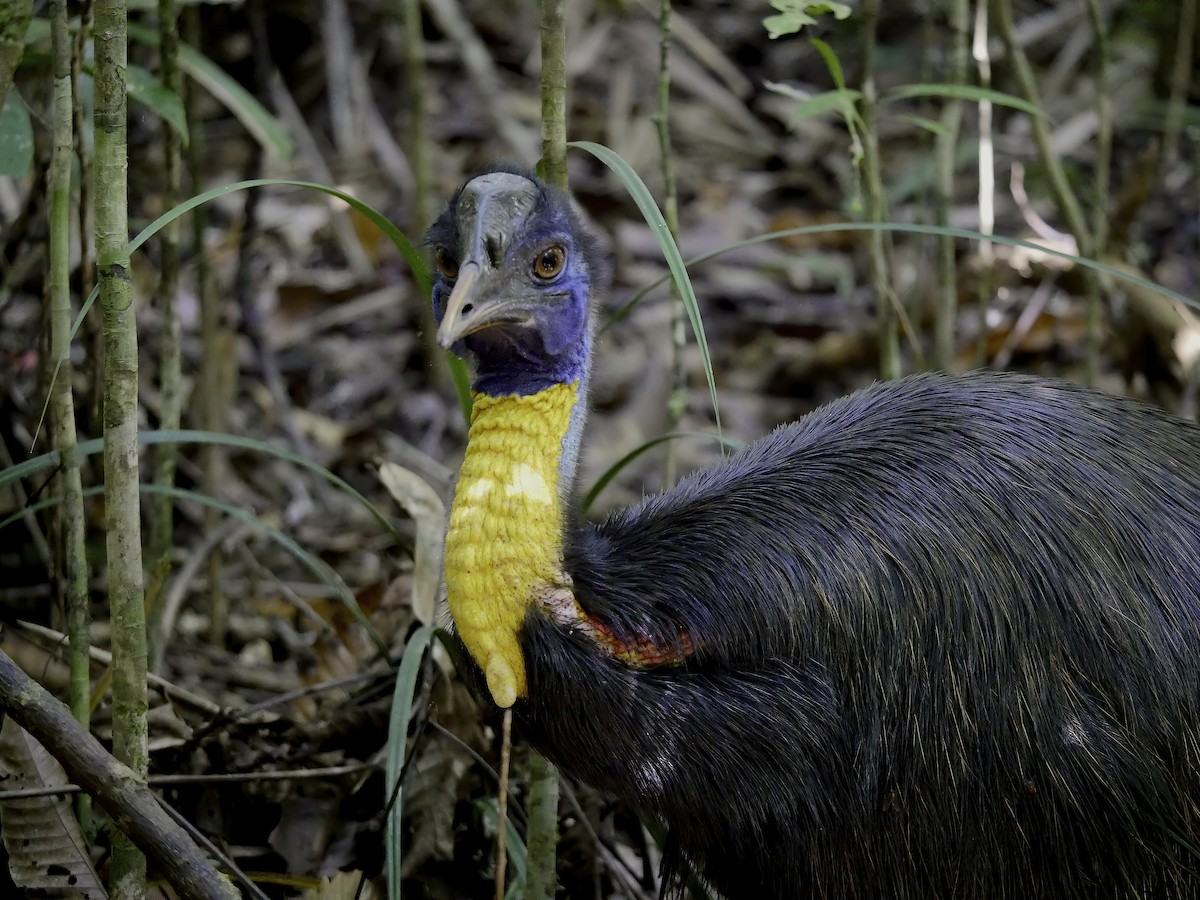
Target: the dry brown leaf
pixel 426 508
pixel 47 854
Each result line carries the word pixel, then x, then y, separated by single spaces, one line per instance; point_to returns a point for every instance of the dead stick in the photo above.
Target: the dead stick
pixel 132 805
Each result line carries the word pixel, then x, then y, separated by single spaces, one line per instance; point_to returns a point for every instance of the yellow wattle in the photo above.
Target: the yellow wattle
pixel 506 526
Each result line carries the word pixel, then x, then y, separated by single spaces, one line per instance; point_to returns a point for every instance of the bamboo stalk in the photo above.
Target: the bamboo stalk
pixel 677 402
pixel 554 92
pixel 1104 135
pixel 121 493
pixel 72 532
pixel 944 342
pixel 91 335
pixel 1181 79
pixel 541 880
pixel 889 331
pixel 170 375
pixel 1066 201
pixel 987 176
pixel 419 158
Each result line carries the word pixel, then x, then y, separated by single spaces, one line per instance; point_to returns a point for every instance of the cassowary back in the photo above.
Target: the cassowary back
pixel 938 639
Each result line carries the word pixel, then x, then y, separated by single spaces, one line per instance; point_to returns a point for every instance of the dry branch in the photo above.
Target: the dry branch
pixel 132 805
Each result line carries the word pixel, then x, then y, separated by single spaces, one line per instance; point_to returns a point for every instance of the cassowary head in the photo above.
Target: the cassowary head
pixel 515 267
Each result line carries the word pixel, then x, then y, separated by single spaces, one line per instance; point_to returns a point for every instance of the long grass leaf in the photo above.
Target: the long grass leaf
pixel 903 228
pixel 615 469
pixel 961 92
pixel 402 700
pixel 412 256
pixel 318 567
pixel 654 218
pixel 50 460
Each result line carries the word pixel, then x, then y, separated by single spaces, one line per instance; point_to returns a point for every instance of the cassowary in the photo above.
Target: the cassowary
pixel 938 639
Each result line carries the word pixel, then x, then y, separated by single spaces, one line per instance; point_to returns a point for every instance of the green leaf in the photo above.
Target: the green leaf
pixel 795 14
pixel 934 230
pixel 150 92
pixel 518 854
pixel 263 126
pixel 402 700
pixel 645 202
pixel 50 460
pixel 16 137
pixel 819 104
pixel 932 125
pixel 832 63
pixel 961 92
pixel 414 258
pixel 147 90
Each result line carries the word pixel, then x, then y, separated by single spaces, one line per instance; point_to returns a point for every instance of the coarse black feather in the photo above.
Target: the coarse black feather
pixel 946 642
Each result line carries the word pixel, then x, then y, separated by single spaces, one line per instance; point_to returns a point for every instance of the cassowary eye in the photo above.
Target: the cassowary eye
pixel 550 262
pixel 446 262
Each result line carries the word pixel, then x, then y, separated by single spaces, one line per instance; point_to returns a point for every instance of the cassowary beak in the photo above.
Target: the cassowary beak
pixel 455 325
pixel 469 310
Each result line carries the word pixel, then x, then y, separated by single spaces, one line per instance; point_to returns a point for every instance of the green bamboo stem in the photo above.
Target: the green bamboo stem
pixel 1181 80
pixel 1104 135
pixel 170 375
pixel 944 342
pixel 91 335
pixel 677 402
pixel 217 360
pixel 1064 198
pixel 121 494
pixel 62 405
pixel 542 842
pixel 419 158
pixel 889 330
pixel 554 92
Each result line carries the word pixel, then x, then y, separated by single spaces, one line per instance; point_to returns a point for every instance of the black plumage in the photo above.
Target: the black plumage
pixel 947 643
pixel 938 639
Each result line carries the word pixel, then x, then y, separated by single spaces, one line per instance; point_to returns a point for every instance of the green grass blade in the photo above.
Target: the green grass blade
pixel 832 63
pixel 933 126
pixel 516 851
pixel 961 92
pixel 904 228
pixel 86 448
pixel 315 565
pixel 412 256
pixel 819 104
pixel 645 202
pixel 47 503
pixel 615 469
pixel 402 700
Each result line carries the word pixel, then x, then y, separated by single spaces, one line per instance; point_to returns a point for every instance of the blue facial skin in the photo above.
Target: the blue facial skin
pixel 551 343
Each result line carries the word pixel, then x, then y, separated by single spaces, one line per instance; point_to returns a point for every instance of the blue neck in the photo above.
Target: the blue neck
pixel 534 372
